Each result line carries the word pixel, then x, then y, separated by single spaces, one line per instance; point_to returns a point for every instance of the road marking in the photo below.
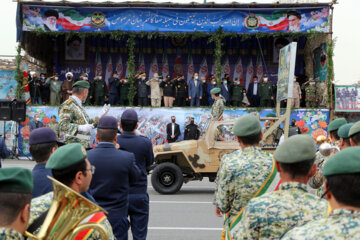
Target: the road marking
pixel 177 202
pixel 184 228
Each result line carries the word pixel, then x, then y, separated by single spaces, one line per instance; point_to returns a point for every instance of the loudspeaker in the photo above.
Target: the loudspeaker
pixel 18 110
pixel 5 110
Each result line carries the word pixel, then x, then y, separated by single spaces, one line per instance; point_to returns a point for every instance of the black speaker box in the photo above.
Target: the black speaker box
pixel 18 110
pixel 5 110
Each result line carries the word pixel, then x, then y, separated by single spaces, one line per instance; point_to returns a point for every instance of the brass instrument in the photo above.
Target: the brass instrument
pixel 67 210
pixel 326 149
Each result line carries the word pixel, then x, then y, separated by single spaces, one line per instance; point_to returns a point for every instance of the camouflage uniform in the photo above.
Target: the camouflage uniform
pixel 240 176
pixel 340 224
pixel 71 115
pixel 310 96
pixel 218 108
pixel 273 214
pixel 10 234
pixel 317 180
pixel 41 204
pixel 54 127
pixel 321 93
pixel 274 137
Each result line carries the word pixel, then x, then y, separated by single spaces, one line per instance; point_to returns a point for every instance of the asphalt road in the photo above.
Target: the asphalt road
pixel 189 214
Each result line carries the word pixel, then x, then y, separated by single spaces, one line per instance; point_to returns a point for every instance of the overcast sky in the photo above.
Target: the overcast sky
pixel 345 26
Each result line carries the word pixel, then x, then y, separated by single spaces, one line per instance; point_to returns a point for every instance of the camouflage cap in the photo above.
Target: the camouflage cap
pixel 336 123
pixel 66 156
pixel 343 131
pixel 354 129
pixel 215 91
pixel 247 125
pixel 295 149
pixel 16 180
pixel 344 162
pixel 82 84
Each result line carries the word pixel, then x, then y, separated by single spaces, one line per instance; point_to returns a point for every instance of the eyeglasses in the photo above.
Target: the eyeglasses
pixel 92 169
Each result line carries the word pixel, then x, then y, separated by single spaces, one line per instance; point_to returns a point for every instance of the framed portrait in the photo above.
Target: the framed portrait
pixel 75 49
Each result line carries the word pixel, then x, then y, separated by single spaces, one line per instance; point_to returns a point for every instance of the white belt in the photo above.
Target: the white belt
pixel 80 136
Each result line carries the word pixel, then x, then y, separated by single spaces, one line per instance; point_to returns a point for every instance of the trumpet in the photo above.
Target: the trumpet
pixel 67 210
pixel 326 149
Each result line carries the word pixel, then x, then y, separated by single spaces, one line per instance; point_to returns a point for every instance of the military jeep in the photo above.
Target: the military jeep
pixel 185 161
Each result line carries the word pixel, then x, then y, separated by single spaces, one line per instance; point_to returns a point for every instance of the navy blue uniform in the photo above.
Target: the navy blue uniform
pixel 42 184
pixel 115 171
pixel 4 151
pixel 138 198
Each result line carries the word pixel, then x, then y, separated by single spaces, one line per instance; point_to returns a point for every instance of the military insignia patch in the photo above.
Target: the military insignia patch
pixel 66 115
pixel 252 21
pixel 69 101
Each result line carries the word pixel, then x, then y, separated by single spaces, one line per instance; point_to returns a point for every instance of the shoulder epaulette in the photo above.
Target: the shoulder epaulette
pixel 68 101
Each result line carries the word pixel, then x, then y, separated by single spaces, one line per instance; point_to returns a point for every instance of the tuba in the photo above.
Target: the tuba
pixel 67 210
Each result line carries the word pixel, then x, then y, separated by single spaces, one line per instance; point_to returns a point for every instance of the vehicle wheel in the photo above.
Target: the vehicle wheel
pixel 167 178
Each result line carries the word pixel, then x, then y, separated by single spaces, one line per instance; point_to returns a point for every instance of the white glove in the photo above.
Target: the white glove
pixel 85 128
pixel 104 110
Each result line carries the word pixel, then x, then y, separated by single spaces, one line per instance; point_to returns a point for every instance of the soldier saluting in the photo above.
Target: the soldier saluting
pixel 74 123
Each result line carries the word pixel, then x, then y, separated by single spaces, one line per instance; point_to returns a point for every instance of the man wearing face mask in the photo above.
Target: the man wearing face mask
pixel 35 92
pixel 113 85
pixel 55 89
pixel 44 89
pixel 100 90
pixel 36 123
pixel 142 90
pixel 181 91
pixel 310 93
pixel 237 93
pixel 192 131
pixel 195 91
pixel 296 94
pixel 266 90
pixel 74 123
pixel 253 92
pixel 210 86
pixel 225 91
pixel 67 86
pixel 154 84
pixel 172 130
pixel 124 91
pixel 205 97
pixel 168 87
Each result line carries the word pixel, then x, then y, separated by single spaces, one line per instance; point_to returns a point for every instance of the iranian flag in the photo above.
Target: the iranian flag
pixel 276 21
pixel 249 73
pixel 226 67
pixel 238 71
pixel 109 70
pixel 73 20
pixel 141 64
pixel 165 65
pixel 178 68
pixel 154 67
pixel 203 68
pixel 98 65
pixel 259 67
pixel 190 67
pixel 120 67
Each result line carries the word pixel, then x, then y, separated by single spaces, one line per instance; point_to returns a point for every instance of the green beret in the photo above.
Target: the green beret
pixel 215 90
pixel 83 84
pixel 354 129
pixel 336 123
pixel 346 161
pixel 296 149
pixel 247 125
pixel 16 180
pixel 343 131
pixel 271 115
pixel 66 156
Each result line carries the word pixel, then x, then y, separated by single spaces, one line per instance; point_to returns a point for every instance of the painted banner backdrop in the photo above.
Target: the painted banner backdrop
pixel 347 98
pixel 90 19
pixel 320 63
pixel 7 85
pixel 152 122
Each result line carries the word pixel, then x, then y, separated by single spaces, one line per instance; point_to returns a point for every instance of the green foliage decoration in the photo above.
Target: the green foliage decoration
pixel 19 74
pixel 130 44
pixel 330 69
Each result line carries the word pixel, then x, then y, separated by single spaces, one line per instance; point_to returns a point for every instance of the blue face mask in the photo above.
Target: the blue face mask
pixel 100 78
pixel 225 82
pixel 42 78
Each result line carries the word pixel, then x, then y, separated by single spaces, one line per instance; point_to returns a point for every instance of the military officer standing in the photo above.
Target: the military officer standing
pixel 292 205
pixel 243 174
pixel 16 185
pixel 218 106
pixel 310 94
pixel 274 138
pixel 124 91
pixel 192 131
pixel 266 90
pixel 100 90
pixel 181 91
pixel 296 94
pixel 342 173
pixel 55 89
pixel 237 93
pixel 54 125
pixel 74 122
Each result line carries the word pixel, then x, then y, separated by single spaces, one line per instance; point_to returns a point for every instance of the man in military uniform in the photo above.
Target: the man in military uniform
pixel 218 106
pixel 292 205
pixel 16 185
pixel 73 119
pixel 54 125
pixel 243 173
pixel 142 90
pixel 296 94
pixel 181 91
pixel 70 166
pixel 354 134
pixel 274 138
pixel 124 91
pixel 192 131
pixel 266 90
pixel 142 149
pixel 342 173
pixel 343 133
pixel 114 85
pixel 310 94
pixel 237 93
pixel 321 94
pixel 100 90
pixel 55 89
pixel 109 188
